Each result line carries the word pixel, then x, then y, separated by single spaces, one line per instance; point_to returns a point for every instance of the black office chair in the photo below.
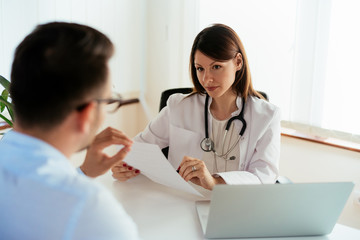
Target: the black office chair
pixel 264 95
pixel 166 94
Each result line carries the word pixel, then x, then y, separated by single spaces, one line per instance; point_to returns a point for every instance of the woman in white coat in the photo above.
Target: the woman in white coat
pixel 194 126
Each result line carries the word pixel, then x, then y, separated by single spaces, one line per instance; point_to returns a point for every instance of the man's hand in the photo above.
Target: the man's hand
pixel 96 161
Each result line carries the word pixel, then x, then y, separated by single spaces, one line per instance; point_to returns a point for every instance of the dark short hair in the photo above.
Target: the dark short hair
pixel 221 43
pixel 55 68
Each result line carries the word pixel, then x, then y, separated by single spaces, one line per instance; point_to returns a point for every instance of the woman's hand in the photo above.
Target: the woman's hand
pixel 195 170
pixel 96 161
pixel 123 172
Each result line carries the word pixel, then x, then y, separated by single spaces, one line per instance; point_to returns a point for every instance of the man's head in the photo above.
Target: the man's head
pixel 57 69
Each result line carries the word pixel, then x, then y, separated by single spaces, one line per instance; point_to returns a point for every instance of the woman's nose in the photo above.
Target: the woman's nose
pixel 207 77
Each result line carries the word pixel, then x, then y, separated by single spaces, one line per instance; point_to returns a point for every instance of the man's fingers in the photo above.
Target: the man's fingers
pixel 111 136
pixel 118 157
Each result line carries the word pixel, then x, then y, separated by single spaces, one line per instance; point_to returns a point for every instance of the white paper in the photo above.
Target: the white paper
pixel 149 159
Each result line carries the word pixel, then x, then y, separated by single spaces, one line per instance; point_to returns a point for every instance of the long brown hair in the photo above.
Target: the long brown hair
pixel 221 43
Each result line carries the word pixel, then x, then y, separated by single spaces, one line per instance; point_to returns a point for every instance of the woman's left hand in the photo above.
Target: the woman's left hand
pixel 196 171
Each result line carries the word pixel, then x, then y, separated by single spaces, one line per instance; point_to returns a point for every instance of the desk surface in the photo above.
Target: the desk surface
pixel 165 213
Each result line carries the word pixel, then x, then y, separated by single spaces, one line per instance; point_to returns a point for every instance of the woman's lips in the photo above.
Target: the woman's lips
pixel 210 89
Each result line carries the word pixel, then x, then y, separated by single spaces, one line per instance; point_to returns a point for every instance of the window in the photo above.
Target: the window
pixel 304 54
pixel 341 94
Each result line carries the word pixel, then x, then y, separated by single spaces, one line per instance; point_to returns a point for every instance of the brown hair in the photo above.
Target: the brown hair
pixel 221 43
pixel 56 67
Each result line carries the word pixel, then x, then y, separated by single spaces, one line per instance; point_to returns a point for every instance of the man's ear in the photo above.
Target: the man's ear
pixel 239 61
pixel 85 117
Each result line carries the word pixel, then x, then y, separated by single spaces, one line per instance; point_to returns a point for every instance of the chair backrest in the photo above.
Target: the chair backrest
pixel 264 95
pixel 166 94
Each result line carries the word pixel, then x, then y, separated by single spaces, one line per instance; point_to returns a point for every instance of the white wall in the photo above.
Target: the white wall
pixel 153 38
pixel 170 32
pixel 121 20
pixel 304 161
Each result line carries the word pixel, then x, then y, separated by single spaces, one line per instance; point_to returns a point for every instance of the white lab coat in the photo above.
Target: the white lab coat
pixel 181 126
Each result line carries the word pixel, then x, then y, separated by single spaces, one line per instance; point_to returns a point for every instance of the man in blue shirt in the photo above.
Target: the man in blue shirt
pixel 60 89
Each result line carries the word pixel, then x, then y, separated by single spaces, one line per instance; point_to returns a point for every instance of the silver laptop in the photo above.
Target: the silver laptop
pixel 273 210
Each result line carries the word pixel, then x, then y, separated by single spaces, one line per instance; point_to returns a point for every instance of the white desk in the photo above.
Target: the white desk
pixel 164 213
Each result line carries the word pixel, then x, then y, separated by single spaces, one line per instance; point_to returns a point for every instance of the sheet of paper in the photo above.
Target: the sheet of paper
pixel 149 159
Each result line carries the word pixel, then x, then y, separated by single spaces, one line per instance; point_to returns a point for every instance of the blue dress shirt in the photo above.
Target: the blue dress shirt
pixel 42 196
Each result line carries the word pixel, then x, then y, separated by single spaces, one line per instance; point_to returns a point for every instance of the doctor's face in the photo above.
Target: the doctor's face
pixel 214 76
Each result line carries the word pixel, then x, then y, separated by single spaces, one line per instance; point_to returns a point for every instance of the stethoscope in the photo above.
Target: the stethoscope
pixel 208 145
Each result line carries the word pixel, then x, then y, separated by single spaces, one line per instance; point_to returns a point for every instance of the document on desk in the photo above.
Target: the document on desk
pixel 152 163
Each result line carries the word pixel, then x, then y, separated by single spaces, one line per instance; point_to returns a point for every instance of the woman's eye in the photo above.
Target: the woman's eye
pixel 199 69
pixel 216 67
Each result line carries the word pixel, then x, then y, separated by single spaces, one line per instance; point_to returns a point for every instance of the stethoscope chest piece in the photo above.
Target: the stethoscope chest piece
pixel 207 145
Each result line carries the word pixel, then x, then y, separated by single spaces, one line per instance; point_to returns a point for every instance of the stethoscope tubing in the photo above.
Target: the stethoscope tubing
pixel 208 143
